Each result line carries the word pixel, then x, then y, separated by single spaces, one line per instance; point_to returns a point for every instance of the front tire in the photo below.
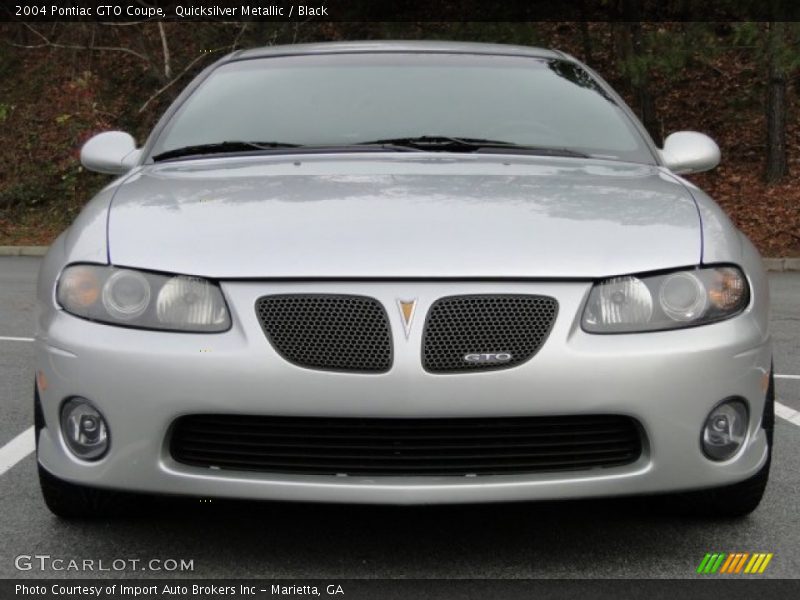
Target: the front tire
pixel 70 501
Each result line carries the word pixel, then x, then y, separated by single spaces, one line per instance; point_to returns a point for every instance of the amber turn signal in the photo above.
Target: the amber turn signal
pixel 727 289
pixel 79 287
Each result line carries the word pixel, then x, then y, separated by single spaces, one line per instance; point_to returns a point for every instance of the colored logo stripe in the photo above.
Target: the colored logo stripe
pixel 711 562
pixel 703 563
pixel 734 563
pixel 758 563
pixel 766 562
pixel 727 564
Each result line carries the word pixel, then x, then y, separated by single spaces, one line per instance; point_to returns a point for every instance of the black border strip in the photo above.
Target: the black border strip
pixel 401 10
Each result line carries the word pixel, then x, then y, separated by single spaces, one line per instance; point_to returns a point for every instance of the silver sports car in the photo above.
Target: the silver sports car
pixel 406 273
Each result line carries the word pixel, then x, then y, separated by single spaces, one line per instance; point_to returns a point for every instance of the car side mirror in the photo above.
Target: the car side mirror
pixel 112 152
pixel 690 152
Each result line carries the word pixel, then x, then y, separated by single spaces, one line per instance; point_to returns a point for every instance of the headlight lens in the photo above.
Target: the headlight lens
pixel 141 299
pixel 625 300
pixel 682 296
pixel 126 295
pixel 189 300
pixel 665 301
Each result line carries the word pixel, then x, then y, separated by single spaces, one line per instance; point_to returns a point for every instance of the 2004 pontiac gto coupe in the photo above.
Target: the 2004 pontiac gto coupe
pixel 402 272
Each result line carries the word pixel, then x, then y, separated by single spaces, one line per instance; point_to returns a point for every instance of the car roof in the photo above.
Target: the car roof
pixel 395 46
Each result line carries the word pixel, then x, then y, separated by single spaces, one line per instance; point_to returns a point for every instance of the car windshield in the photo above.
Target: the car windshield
pixel 341 100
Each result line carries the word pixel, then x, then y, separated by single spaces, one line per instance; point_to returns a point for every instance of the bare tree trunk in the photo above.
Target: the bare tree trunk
pixel 586 42
pixel 586 37
pixel 776 106
pixel 645 102
pixel 633 57
pixel 165 51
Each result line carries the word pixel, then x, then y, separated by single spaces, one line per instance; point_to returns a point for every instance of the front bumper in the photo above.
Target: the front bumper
pixel 143 380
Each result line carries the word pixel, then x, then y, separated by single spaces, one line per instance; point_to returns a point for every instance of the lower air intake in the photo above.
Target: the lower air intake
pixel 361 446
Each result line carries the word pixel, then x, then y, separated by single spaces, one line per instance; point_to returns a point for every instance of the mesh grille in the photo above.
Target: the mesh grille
pixel 365 446
pixel 457 326
pixel 328 331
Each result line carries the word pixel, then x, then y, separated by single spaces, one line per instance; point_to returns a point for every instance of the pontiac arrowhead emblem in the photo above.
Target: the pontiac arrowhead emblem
pixel 407 309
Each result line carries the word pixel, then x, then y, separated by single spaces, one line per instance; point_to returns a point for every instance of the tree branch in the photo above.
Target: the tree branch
pixel 165 49
pixel 176 78
pixel 238 36
pixel 121 24
pixel 46 42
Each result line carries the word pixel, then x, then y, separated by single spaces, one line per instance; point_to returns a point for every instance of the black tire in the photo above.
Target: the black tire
pixel 71 501
pixel 737 500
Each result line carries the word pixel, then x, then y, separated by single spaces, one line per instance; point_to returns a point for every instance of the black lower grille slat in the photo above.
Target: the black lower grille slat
pixel 417 423
pixel 364 468
pixel 307 423
pixel 370 446
pixel 400 434
pixel 445 445
pixel 398 456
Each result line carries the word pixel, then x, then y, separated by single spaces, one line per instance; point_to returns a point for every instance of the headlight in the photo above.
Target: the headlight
pixel 141 299
pixel 665 301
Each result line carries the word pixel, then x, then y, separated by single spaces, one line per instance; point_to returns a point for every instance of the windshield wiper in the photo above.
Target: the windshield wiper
pixel 221 148
pixel 236 147
pixel 444 143
pixel 435 143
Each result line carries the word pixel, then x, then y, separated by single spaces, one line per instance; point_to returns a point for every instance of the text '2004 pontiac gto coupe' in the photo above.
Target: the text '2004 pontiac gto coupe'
pixel 402 272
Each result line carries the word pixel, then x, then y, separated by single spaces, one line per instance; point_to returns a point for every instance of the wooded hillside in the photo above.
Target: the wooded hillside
pixel 62 82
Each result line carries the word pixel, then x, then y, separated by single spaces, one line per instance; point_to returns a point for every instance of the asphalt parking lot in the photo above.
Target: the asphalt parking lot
pixel 623 538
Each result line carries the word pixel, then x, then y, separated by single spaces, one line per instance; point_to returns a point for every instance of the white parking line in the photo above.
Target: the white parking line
pixel 778 376
pixel 787 413
pixel 784 412
pixel 17 449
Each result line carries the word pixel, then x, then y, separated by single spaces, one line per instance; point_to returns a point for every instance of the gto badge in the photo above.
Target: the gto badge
pixel 407 309
pixel 488 357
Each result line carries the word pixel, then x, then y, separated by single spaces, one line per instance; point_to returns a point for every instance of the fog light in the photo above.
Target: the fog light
pixel 84 429
pixel 725 430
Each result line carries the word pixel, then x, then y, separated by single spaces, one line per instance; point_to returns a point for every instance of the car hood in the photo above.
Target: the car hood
pixel 402 215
